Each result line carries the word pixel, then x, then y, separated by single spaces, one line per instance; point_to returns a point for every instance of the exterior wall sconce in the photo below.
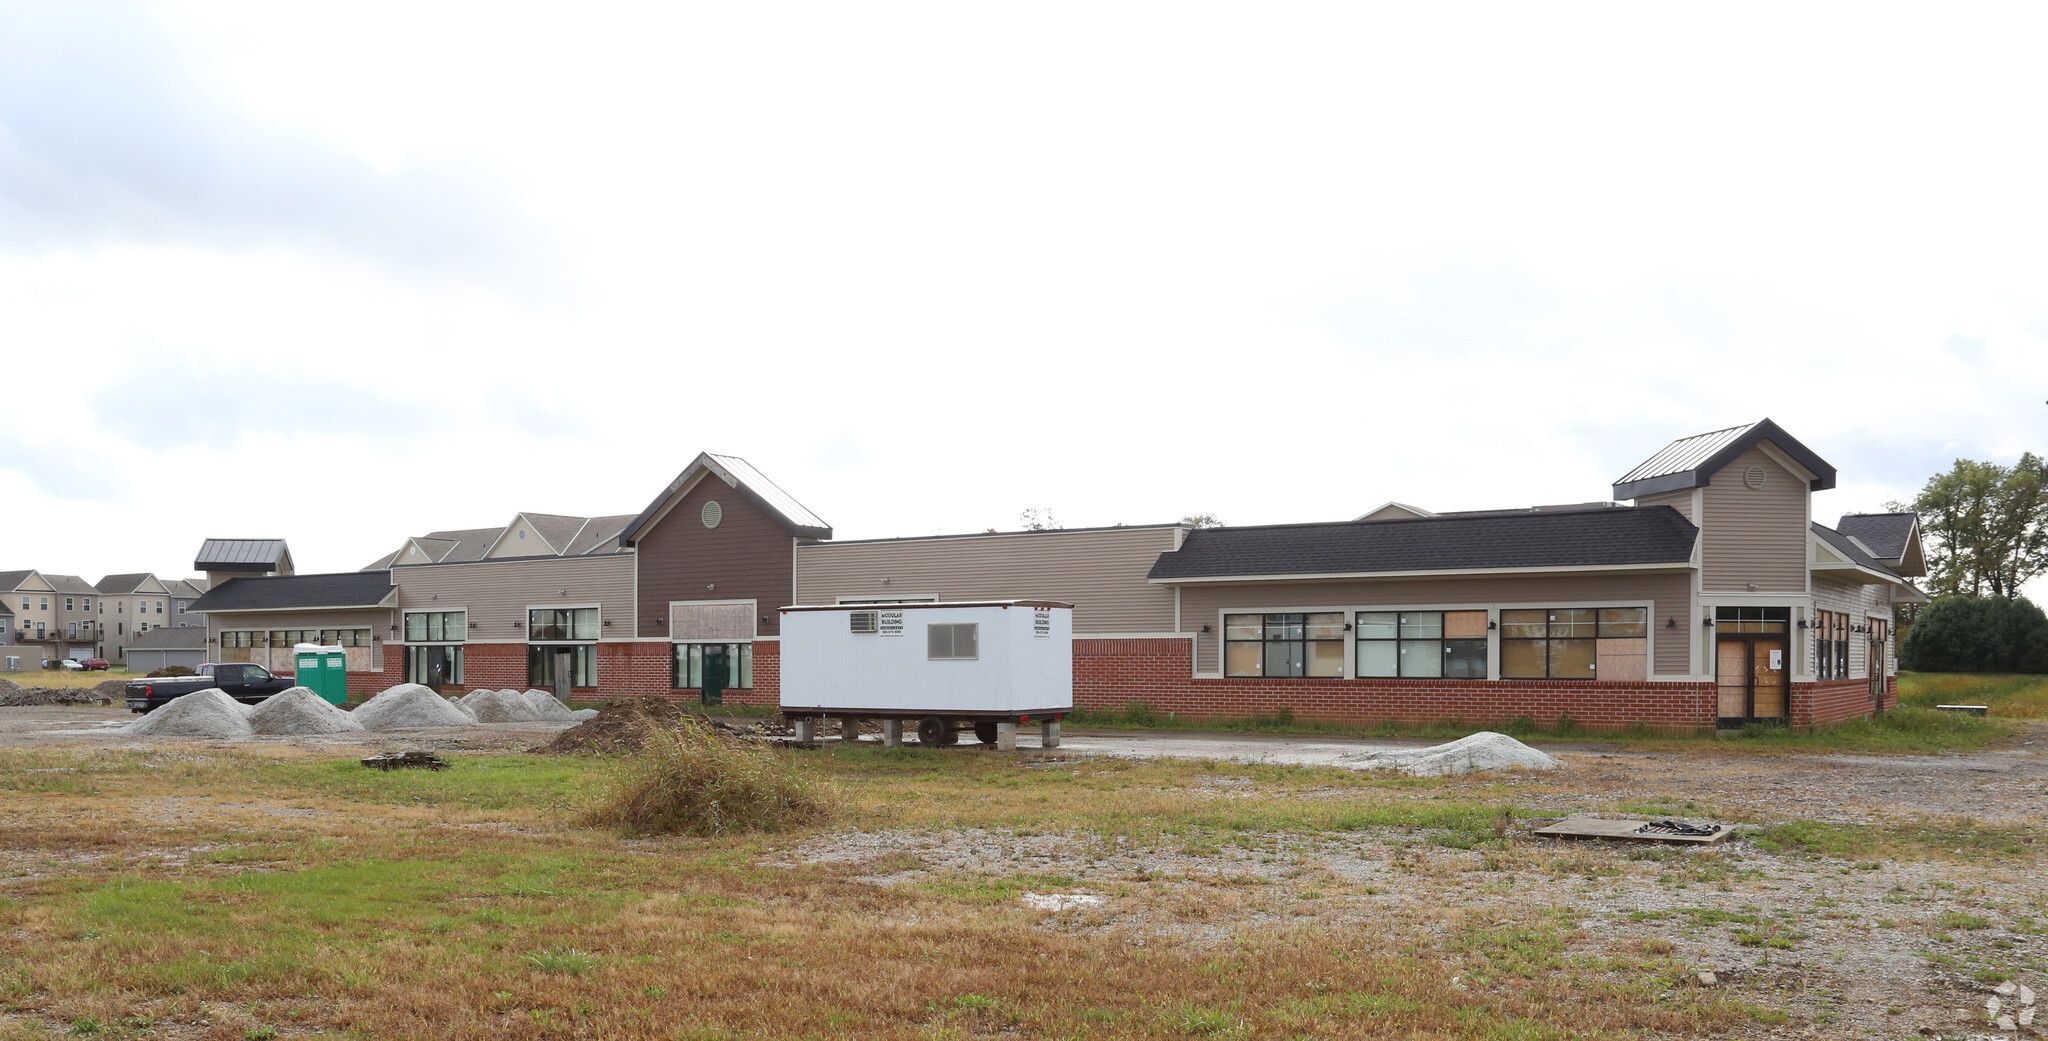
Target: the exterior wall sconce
pixel 661 621
pixel 518 625
pixel 607 623
pixel 1205 628
pixel 472 625
pixel 764 618
pixel 1670 623
pixel 1753 587
pixel 710 585
pixel 1707 622
pixel 1491 624
pixel 1347 627
pixel 563 593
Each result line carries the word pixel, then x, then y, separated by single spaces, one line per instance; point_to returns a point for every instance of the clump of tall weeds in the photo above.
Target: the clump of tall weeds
pixel 692 780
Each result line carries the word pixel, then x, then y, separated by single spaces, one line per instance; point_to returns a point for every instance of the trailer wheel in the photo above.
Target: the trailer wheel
pixel 985 733
pixel 933 732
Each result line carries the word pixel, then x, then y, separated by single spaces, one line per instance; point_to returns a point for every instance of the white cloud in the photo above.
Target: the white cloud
pixel 928 265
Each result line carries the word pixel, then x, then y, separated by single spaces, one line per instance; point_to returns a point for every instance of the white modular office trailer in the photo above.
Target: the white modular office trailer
pixel 988 665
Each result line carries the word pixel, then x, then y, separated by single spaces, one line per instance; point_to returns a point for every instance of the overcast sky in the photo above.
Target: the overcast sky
pixel 347 276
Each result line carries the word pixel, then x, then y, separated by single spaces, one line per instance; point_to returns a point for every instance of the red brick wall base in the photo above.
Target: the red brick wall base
pixel 1112 674
pixel 624 670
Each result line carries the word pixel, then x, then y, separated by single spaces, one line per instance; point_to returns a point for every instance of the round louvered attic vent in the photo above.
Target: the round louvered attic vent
pixel 1755 477
pixel 712 514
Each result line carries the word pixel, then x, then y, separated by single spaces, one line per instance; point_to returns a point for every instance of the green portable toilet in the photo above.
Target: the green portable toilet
pixel 324 671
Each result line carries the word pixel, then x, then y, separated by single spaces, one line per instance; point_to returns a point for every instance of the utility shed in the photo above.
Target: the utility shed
pixel 959 661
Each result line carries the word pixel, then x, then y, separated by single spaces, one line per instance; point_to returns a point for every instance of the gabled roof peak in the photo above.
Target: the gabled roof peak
pixel 748 481
pixel 1692 461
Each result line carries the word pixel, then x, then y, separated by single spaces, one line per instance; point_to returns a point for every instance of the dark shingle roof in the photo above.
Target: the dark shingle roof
pixel 170 638
pixel 1580 538
pixel 1690 462
pixel 70 584
pixel 239 555
pixel 9 580
pixel 348 589
pixel 114 585
pixel 1884 533
pixel 1849 549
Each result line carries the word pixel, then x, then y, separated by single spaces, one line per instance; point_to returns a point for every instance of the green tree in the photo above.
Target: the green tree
pixel 1977 634
pixel 1987 526
pixel 1202 520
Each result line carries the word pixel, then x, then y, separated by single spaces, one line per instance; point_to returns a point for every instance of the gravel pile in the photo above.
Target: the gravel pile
pixel 8 684
pixel 1485 750
pixel 410 705
pixel 300 711
pixel 12 696
pixel 209 713
pixel 551 709
pixel 499 706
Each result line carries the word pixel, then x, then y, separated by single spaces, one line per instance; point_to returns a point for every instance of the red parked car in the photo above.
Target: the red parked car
pixel 94 664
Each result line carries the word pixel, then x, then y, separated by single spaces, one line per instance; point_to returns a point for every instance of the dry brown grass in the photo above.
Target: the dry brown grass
pixel 62 678
pixel 220 894
pixel 691 780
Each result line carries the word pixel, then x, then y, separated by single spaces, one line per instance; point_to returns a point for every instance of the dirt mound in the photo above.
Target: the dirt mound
pixel 12 696
pixel 112 690
pixel 410 705
pixel 300 711
pixel 499 706
pixel 620 726
pixel 1485 750
pixel 209 713
pixel 8 684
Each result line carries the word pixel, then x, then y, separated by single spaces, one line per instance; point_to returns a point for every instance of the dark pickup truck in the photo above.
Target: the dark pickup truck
pixel 248 684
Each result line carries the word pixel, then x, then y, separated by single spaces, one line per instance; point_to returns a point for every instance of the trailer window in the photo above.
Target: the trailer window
pixel 950 641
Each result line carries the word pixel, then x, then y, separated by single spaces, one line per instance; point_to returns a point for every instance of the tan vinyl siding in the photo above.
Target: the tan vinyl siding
pixel 497 593
pixel 279 659
pixel 1680 500
pixel 1754 534
pixel 1102 573
pixel 1670 592
pixel 1861 603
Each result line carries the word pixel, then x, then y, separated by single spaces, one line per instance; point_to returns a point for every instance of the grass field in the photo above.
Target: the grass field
pixel 226 894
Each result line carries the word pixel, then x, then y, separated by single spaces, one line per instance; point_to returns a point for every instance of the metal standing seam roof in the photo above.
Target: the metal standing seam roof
pixel 1690 462
pixel 1641 536
pixel 281 592
pixel 772 495
pixel 239 555
pixel 1885 533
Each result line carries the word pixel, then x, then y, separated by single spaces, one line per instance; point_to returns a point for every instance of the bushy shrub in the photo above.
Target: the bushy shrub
pixel 693 780
pixel 1977 634
pixel 174 670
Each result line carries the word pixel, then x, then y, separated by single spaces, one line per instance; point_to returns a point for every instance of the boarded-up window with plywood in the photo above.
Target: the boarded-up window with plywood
pixel 711 621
